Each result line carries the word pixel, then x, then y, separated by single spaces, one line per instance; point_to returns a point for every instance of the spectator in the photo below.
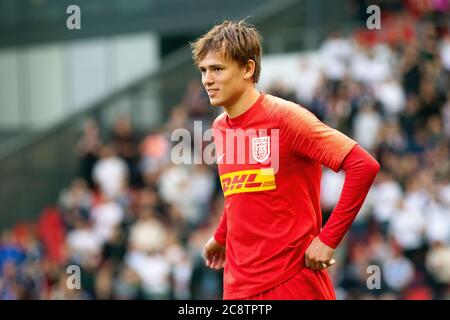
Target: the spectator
pixel 148 234
pixel 125 141
pixel 398 271
pixel 88 148
pixel 110 173
pixel 83 243
pixel 367 126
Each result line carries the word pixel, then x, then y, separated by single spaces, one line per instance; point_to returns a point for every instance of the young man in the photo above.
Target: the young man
pixel 270 233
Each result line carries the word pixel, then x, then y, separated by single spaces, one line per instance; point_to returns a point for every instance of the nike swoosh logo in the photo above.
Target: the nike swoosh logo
pixel 221 157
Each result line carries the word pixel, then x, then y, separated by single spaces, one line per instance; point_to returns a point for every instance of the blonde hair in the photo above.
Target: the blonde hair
pixel 239 41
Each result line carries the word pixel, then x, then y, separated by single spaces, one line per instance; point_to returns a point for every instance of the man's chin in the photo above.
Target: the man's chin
pixel 215 103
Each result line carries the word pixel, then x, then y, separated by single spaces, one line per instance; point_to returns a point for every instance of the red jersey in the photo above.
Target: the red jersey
pixel 271 186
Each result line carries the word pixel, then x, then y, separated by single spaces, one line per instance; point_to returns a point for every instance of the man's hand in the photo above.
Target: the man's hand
pixel 318 255
pixel 214 253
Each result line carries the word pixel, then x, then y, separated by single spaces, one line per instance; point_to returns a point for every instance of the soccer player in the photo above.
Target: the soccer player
pixel 270 239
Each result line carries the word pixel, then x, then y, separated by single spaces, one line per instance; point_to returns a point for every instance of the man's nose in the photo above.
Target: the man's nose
pixel 207 78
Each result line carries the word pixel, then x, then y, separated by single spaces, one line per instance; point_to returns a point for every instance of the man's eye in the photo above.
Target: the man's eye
pixel 217 69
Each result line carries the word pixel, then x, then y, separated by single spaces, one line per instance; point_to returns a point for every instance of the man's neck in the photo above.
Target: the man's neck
pixel 247 99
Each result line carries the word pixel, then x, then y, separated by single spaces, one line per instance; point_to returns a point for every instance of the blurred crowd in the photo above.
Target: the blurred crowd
pixel 135 223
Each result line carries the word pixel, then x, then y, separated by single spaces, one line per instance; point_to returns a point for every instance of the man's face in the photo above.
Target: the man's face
pixel 223 79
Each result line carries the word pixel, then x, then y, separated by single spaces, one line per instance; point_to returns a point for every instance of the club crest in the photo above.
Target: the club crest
pixel 261 148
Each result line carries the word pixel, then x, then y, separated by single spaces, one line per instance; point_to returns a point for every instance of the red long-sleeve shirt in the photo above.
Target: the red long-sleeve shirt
pixel 271 185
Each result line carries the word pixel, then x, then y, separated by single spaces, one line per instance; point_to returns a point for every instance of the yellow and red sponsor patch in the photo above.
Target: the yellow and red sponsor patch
pixel 248 181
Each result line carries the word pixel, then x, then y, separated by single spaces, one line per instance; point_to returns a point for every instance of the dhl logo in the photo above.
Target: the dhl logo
pixel 248 181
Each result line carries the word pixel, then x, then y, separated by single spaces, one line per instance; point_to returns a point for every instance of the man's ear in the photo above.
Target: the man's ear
pixel 249 69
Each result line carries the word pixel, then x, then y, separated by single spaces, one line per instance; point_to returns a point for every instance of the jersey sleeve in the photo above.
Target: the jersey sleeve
pixel 221 231
pixel 309 137
pixel 360 171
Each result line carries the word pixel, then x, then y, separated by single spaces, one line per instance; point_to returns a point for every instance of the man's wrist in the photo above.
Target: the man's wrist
pixel 325 240
pixel 220 240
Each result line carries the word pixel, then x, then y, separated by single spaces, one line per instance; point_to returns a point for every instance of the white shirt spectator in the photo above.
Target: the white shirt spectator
pixel 437 262
pixel 181 269
pixel 407 226
pixel 189 191
pixel 386 195
pixel 335 54
pixel 438 223
pixel 111 174
pixel 309 78
pixel 331 187
pixel 416 200
pixel 106 217
pixel 369 69
pixel 391 95
pixel 84 244
pixel 367 125
pixel 153 270
pixel 175 189
pixel 148 235
pixel 173 182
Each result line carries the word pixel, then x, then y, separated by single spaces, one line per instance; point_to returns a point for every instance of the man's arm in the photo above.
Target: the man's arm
pixel 360 171
pixel 214 250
